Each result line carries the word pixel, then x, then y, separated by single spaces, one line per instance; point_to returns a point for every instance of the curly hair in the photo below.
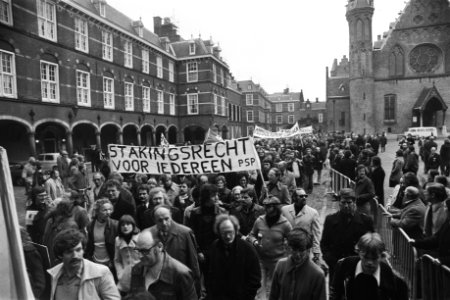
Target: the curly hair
pixel 66 240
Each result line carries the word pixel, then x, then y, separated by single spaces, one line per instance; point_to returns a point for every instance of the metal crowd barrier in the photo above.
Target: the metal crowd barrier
pixel 435 279
pixel 339 181
pixel 403 255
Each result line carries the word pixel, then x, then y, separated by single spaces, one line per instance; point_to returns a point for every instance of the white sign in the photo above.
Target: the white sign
pixel 210 158
pixel 283 133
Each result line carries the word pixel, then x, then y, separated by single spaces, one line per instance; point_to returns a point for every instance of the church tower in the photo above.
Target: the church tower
pixel 362 106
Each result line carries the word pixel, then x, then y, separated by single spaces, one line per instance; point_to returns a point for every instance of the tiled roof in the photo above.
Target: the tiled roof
pixel 284 97
pixel 121 20
pixel 181 48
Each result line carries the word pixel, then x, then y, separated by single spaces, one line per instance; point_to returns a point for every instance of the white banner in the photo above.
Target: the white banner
pixel 282 134
pixel 221 157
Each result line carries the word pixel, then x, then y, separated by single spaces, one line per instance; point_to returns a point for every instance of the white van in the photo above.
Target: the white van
pixel 421 131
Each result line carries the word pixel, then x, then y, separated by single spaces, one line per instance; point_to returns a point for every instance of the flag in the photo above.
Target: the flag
pixel 164 142
pixel 212 137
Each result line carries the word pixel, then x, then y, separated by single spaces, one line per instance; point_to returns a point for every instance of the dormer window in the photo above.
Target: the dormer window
pixel 102 9
pixel 141 31
pixel 249 87
pixel 191 48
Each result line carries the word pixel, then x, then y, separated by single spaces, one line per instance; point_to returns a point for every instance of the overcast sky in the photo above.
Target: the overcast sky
pixel 279 44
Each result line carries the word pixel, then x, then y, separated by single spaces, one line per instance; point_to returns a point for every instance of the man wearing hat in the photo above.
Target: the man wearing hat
pixel 440 240
pixel 342 230
pixel 412 214
pixel 268 236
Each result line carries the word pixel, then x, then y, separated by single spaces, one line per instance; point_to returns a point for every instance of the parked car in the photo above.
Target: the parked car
pixel 16 172
pixel 47 160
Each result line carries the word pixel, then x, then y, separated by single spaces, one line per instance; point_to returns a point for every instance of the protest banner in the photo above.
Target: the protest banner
pixel 211 158
pixel 283 133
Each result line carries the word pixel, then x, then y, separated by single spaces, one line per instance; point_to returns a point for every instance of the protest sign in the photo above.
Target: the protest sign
pixel 221 157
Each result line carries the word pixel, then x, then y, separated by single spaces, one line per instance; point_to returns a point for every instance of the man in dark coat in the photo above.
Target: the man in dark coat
pixel 122 205
pixel 348 165
pixel 233 267
pixel 178 240
pixel 342 230
pixel 445 158
pixel 377 176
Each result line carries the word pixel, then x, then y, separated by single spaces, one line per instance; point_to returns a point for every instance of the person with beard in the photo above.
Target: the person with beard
pixel 142 220
pixel 268 235
pixel 202 221
pixel 78 278
pixel 302 215
pixel 367 276
pixel 342 229
pixel 233 266
pixel 276 188
pixel 298 265
pixel 246 211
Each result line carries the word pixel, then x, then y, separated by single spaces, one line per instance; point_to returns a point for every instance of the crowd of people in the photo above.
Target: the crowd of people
pixel 249 235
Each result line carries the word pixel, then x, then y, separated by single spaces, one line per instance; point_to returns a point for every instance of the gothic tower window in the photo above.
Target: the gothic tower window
pixel 396 62
pixel 390 104
pixel 359 30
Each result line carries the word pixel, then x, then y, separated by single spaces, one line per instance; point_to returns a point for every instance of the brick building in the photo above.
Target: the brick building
pixel 398 81
pixel 77 73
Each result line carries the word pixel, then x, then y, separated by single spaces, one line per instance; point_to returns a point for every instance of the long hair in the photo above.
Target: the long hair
pixel 127 219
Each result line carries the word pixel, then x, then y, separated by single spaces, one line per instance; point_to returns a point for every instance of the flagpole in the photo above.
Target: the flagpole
pixel 11 251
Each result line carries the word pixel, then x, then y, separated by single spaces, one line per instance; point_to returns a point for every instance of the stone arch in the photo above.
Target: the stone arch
pixel 53 120
pixel 172 135
pixel 147 135
pixel 130 134
pixel 84 137
pixel 194 134
pixel 85 122
pixel 160 129
pixel 109 134
pixel 110 123
pixel 17 138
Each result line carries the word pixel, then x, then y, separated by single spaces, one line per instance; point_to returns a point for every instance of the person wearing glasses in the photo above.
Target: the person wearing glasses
pixel 75 277
pixel 299 214
pixel 296 276
pixel 268 235
pixel 160 274
pixel 342 230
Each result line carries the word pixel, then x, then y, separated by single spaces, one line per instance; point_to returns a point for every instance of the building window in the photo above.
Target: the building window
pixel 145 61
pixel 279 119
pixel 146 99
pixel 249 99
pixel 230 112
pixel 129 96
pixel 83 88
pixel 172 104
pixel 396 62
pixel 250 116
pixel 249 87
pixel 192 72
pixel 5 12
pixel 102 8
pixel 191 48
pixel 224 107
pixel 49 82
pixel 159 67
pixel 291 119
pixel 7 75
pixel 214 72
pixel 141 31
pixel 108 92
pixel 320 117
pixel 222 77
pixel 171 71
pixel 216 104
pixel 290 107
pixel 192 102
pixel 160 101
pixel 107 45
pixel 46 19
pixel 81 35
pixel 390 103
pixel 128 54
pixel 279 107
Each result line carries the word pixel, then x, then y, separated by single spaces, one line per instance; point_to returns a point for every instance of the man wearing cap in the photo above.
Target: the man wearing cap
pixel 439 241
pixel 268 236
pixel 343 229
pixel 160 274
pixel 412 214
pixel 178 240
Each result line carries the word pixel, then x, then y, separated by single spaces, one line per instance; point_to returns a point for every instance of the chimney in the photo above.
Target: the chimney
pixel 286 91
pixel 216 51
pixel 157 22
pixel 317 99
